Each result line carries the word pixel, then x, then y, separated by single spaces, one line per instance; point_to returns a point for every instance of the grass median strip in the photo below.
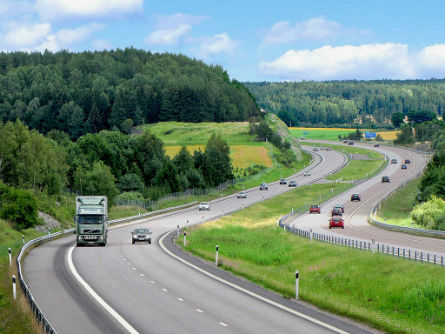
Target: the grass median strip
pixel 395 295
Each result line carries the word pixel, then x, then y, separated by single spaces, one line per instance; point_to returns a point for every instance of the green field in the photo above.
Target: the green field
pixel 397 296
pixel 397 207
pixel 320 133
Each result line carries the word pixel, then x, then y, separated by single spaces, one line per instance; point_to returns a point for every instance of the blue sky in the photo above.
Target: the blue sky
pixel 253 40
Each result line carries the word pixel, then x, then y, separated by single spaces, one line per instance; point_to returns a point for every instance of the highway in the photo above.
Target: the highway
pixel 140 288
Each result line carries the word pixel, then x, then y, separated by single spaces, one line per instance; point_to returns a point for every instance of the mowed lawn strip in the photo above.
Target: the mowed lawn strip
pixel 396 208
pixel 333 133
pixel 391 294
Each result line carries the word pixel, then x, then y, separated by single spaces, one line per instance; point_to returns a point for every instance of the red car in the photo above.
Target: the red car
pixel 315 209
pixel 336 222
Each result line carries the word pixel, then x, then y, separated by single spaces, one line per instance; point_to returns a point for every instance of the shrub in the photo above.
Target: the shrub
pixel 19 207
pixel 430 214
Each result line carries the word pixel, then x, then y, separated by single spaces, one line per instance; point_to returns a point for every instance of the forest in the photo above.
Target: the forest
pixel 87 92
pixel 365 104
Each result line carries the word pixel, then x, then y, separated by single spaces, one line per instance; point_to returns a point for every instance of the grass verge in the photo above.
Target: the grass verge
pixel 391 294
pixel 396 208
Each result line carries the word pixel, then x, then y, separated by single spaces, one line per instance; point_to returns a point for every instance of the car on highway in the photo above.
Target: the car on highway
pixel 340 206
pixel 264 186
pixel 293 183
pixel 283 181
pixel 315 149
pixel 407 161
pixel 302 138
pixel 336 212
pixel 241 194
pixel 403 166
pixel 376 145
pixel 336 222
pixel 328 148
pixel 345 141
pixel 315 209
pixel 351 143
pixel 385 179
pixel 322 148
pixel 141 234
pixel 393 161
pixel 355 197
pixel 204 206
pixel 307 173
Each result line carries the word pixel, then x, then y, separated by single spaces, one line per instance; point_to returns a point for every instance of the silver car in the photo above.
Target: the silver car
pixel 204 206
pixel 141 234
pixel 241 194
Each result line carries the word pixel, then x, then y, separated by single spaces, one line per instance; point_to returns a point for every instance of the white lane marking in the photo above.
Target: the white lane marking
pixel 124 259
pixel 164 289
pixel 223 324
pixel 93 294
pixel 180 299
pixel 152 282
pixel 250 293
pixel 142 275
pixel 198 310
pixel 134 268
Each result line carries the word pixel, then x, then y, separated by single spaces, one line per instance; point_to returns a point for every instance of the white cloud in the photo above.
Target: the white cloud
pixel 25 35
pixel 317 29
pixel 367 61
pixel 101 44
pixel 168 36
pixel 433 57
pixel 59 9
pixel 171 29
pixel 215 45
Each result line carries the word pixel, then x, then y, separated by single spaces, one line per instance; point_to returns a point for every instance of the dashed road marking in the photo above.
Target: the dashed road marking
pixel 198 310
pixel 142 275
pixel 134 268
pixel 180 299
pixel 164 289
pixel 152 282
pixel 223 324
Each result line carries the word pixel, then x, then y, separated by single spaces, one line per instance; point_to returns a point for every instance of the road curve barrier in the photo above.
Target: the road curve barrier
pixel 36 310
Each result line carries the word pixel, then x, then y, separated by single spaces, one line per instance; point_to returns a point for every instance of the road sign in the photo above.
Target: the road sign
pixel 370 135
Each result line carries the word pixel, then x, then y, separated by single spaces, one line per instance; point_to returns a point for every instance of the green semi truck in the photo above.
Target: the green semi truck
pixel 91 220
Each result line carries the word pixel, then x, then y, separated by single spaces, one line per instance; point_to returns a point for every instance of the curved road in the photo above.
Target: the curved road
pixel 144 290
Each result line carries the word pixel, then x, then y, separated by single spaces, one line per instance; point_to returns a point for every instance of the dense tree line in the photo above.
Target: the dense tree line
pixel 107 163
pixel 343 102
pixel 80 93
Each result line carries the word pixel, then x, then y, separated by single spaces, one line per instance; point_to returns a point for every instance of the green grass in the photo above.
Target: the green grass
pixel 319 133
pixel 117 212
pixel 391 294
pixel 15 316
pixel 397 207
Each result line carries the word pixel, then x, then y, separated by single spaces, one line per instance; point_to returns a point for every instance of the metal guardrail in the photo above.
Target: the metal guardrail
pixel 36 310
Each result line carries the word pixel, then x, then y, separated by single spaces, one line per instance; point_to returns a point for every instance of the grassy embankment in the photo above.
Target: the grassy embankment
pixel 332 133
pixel 391 294
pixel 397 207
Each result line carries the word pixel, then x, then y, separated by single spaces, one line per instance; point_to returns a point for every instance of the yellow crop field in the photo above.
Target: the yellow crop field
pixel 388 135
pixel 242 155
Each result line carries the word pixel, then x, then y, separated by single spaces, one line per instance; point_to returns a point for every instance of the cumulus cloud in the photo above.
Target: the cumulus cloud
pixel 367 61
pixel 215 45
pixel 59 9
pixel 101 44
pixel 171 29
pixel 24 35
pixel 318 29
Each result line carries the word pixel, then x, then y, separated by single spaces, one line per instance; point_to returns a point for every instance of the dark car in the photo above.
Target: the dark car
pixel 385 179
pixel 141 234
pixel 336 222
pixel 315 149
pixel 315 209
pixel 340 207
pixel 351 143
pixel 403 166
pixel 283 181
pixel 264 186
pixel 407 161
pixel 393 161
pixel 355 197
pixel 376 145
pixel 292 184
pixel 336 212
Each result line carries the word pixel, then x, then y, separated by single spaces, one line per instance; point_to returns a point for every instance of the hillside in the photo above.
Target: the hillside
pixel 87 92
pixel 341 103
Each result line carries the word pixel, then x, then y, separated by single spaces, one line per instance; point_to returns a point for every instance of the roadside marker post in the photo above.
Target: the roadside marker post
pixel 10 258
pixel 277 221
pixel 23 239
pixel 310 234
pixel 296 284
pixel 216 256
pixel 185 237
pixel 14 287
pixel 177 232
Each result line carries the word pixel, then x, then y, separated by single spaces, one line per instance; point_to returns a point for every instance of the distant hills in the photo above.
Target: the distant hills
pixel 340 103
pixel 87 92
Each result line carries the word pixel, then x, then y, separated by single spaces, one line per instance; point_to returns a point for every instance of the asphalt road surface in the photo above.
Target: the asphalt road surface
pixel 141 289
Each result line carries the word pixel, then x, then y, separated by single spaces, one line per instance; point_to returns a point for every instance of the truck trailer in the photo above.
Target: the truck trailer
pixel 91 220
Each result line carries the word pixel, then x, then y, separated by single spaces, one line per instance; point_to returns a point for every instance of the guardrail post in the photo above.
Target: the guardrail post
pixel 421 256
pixel 434 258
pixel 14 287
pixel 427 257
pixel 398 251
pixel 216 256
pixel 10 257
pixel 185 236
pixel 296 284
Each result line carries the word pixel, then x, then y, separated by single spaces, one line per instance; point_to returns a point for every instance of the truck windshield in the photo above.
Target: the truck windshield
pixel 90 219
